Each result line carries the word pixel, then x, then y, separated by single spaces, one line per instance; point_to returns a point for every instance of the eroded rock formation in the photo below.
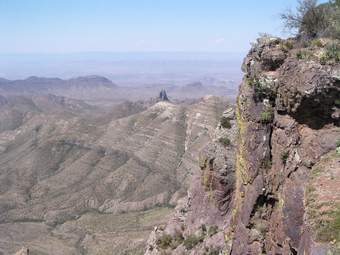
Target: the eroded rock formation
pixel 163 96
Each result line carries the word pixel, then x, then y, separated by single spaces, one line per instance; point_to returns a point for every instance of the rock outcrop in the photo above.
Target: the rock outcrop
pixel 23 251
pixel 276 191
pixel 163 96
pixel 287 115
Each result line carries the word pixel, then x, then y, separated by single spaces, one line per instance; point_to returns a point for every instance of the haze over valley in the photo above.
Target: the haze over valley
pixel 90 165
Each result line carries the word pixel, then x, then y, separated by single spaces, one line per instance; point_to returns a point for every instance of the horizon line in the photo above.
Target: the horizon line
pixel 124 52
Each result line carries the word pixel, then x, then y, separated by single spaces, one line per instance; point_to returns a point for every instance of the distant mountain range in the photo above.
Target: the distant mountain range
pixel 100 90
pixel 39 85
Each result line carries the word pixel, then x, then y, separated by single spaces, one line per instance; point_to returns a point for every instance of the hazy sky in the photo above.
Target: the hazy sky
pixel 54 26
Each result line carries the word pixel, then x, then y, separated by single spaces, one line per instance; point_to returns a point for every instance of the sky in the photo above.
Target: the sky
pixel 71 26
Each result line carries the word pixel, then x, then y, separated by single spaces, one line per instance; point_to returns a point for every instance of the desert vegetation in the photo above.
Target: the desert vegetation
pixel 311 20
pixel 171 242
pixel 225 141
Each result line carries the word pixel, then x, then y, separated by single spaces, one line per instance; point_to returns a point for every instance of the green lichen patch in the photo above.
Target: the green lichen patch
pixel 322 200
pixel 329 226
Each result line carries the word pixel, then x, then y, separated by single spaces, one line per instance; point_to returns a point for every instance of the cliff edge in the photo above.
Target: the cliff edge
pixel 288 118
pixel 269 182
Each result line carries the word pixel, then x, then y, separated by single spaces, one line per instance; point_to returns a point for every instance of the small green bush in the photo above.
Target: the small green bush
pixel 177 240
pixel 211 251
pixel 302 54
pixel 253 82
pixel 212 230
pixel 323 59
pixel 266 163
pixel 191 241
pixel 338 143
pixel 204 229
pixel 337 102
pixel 286 45
pixel 333 51
pixel 262 88
pixel 225 122
pixel 267 116
pixel 284 156
pixel 316 43
pixel 309 19
pixel 164 241
pixel 329 229
pixel 225 141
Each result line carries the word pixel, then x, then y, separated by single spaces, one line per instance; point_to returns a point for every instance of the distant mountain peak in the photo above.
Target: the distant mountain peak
pixel 92 80
pixel 96 78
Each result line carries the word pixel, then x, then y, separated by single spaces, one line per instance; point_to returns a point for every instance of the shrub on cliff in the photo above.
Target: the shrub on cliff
pixel 225 122
pixel 211 251
pixel 303 54
pixel 286 45
pixel 312 20
pixel 225 141
pixel 267 116
pixel 338 147
pixel 308 18
pixel 212 230
pixel 338 143
pixel 284 156
pixel 335 19
pixel 333 51
pixel 316 43
pixel 192 240
pixel 164 241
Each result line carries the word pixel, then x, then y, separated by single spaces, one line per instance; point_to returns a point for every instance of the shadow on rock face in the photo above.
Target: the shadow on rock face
pixel 319 110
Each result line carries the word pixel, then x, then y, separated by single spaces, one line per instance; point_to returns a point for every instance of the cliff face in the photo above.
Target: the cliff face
pixel 275 188
pixel 288 116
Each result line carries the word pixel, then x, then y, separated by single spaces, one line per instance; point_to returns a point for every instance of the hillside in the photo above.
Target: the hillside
pixel 76 179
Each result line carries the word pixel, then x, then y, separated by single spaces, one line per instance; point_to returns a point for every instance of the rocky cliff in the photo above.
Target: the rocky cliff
pixel 269 182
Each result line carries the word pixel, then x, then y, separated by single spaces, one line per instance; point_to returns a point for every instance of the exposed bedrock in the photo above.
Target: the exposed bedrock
pixel 279 190
pixel 288 119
